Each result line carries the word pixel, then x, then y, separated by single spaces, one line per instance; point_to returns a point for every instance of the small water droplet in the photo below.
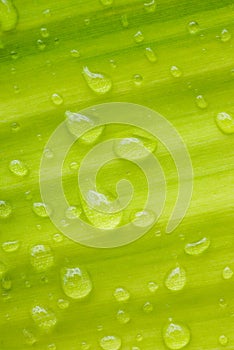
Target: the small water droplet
pixel 153 287
pixel 143 218
pixel 227 273
pixel 44 318
pixel 176 279
pixel 176 336
pixel 18 168
pixel 73 212
pixel 198 247
pixel 41 45
pixel 58 237
pixel 150 6
pixel 137 79
pixel 150 54
pixel 107 2
pixel 225 122
pixel 15 127
pixel 193 27
pixel 8 15
pixel 123 317
pixel 110 342
pixel 222 303
pixel 175 71
pixel 201 102
pixel 6 282
pixel 63 304
pixel 139 337
pixel 75 53
pixel 97 82
pixel 41 209
pixel 223 340
pixel 134 148
pixel 85 346
pixel 52 347
pixel 10 246
pixel 124 20
pixel 76 282
pixel 56 99
pixel 73 165
pixel 225 35
pixel 29 337
pixel 41 257
pixel 44 32
pixel 121 294
pixel 148 307
pixel 48 153
pixel 5 209
pixel 113 64
pixel 139 37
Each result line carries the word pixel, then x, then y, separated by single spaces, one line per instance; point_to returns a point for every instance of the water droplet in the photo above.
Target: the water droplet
pixel 150 54
pixel 110 342
pixel 73 165
pixel 201 102
pixel 175 71
pixel 41 209
pixel 124 20
pixel 225 35
pixel 113 64
pixel 225 122
pixel 153 287
pixel 76 282
pixel 193 27
pixel 139 337
pixel 6 283
pixel 176 336
pixel 44 318
pixel 123 317
pixel 41 257
pixel 97 82
pixel 5 209
pixel 227 273
pixel 134 148
pixel 223 340
pixel 58 237
pixel 137 79
pixel 15 127
pixel 10 246
pixel 63 304
pixel 143 218
pixel 8 15
pixel 222 303
pixel 41 45
pixel 29 337
pixel 198 247
pixel 47 13
pixel 148 307
pixel 18 168
pixel 48 153
pixel 107 2
pixel 176 279
pixel 73 212
pixel 139 37
pixel 150 6
pixel 85 346
pixel 75 53
pixel 44 32
pixel 56 99
pixel 52 347
pixel 121 294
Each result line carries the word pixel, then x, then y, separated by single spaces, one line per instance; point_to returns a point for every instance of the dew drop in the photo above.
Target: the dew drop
pixel 44 32
pixel 121 294
pixel 150 54
pixel 41 45
pixel 152 286
pixel 18 168
pixel 85 346
pixel 176 279
pixel 223 340
pixel 10 246
pixel 225 122
pixel 175 71
pixel 201 102
pixel 124 21
pixel 15 127
pixel 76 282
pixel 5 209
pixel 107 2
pixel 143 218
pixel 137 79
pixel 139 337
pixel 75 53
pixel 41 257
pixel 41 209
pixel 8 15
pixel 97 82
pixel 110 342
pixel 134 148
pixel 176 336
pixel 225 35
pixel 193 27
pixel 47 13
pixel 198 247
pixel 6 282
pixel 63 304
pixel 227 273
pixel 52 347
pixel 29 337
pixel 139 37
pixel 148 307
pixel 44 318
pixel 48 153
pixel 150 6
pixel 73 165
pixel 73 212
pixel 58 237
pixel 56 99
pixel 123 317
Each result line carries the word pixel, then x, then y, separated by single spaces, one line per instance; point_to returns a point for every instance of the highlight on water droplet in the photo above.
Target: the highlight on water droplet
pixel 142 218
pixel 150 6
pixel 97 82
pixel 225 35
pixel 18 168
pixel 121 294
pixel 176 335
pixel 139 37
pixel 5 209
pixel 176 279
pixel 223 340
pixel 134 147
pixel 123 317
pixel 150 54
pixel 41 209
pixel 201 102
pixel 175 71
pixel 225 122
pixel 10 246
pixel 56 99
pixel 44 318
pixel 227 273
pixel 110 342
pixel 41 257
pixel 193 27
pixel 8 15
pixel 198 247
pixel 76 282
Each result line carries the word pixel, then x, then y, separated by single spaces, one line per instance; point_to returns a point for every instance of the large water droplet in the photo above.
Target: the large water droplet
pixel 41 209
pixel 44 318
pixel 110 342
pixel 121 294
pixel 10 246
pixel 227 273
pixel 134 148
pixel 76 282
pixel 41 257
pixel 5 209
pixel 176 336
pixel 176 279
pixel 18 168
pixel 198 247
pixel 8 15
pixel 98 82
pixel 225 122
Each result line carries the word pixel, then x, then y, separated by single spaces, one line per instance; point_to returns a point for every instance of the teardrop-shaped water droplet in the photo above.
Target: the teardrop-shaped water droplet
pixel 76 282
pixel 176 336
pixel 110 342
pixel 18 168
pixel 41 257
pixel 44 318
pixel 225 122
pixel 150 54
pixel 97 82
pixel 198 247
pixel 5 209
pixel 176 279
